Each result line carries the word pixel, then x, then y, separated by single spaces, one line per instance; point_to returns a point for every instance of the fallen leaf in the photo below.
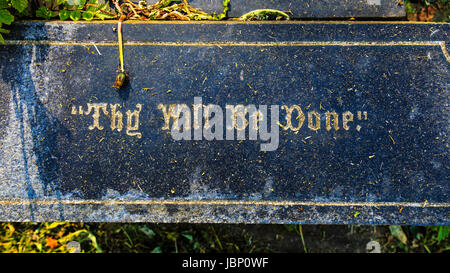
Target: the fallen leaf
pixel 52 243
pixel 426 14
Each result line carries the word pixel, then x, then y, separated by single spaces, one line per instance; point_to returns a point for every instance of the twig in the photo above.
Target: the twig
pixel 137 6
pixel 102 10
pixel 98 51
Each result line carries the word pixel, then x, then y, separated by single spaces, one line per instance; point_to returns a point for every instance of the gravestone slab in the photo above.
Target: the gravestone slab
pixel 308 8
pixel 263 122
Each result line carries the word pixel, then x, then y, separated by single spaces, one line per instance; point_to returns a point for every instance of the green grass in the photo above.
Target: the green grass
pixel 210 238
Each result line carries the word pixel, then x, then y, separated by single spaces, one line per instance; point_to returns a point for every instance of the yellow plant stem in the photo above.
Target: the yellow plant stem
pixel 119 34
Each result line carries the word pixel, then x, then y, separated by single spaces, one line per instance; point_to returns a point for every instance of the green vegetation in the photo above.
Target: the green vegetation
pixel 428 10
pixel 9 8
pixel 210 238
pixel 264 14
pixel 417 10
pixel 92 9
pixel 85 10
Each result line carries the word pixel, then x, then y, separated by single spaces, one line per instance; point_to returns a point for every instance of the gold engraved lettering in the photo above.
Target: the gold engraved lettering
pixel 255 118
pixel 74 110
pixel 328 120
pixel 96 114
pixel 243 121
pixel 300 117
pixel 132 128
pixel 346 118
pixel 116 117
pixel 168 114
pixel 311 124
pixel 362 113
pixel 186 120
pixel 237 111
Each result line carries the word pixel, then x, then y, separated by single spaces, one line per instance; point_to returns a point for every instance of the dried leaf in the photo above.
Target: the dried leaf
pixel 52 243
pixel 426 14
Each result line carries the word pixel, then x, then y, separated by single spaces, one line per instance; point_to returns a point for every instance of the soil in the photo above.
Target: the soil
pixel 317 238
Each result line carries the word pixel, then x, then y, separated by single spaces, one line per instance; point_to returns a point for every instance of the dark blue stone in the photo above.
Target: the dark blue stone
pixel 390 165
